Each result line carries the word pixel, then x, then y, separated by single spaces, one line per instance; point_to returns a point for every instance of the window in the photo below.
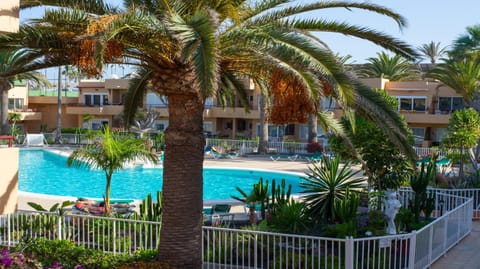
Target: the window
pixel 304 132
pixel 209 102
pixel 447 104
pixel 327 103
pixel 98 124
pixel 440 133
pixel 276 132
pixel 418 135
pixel 419 104
pixel 208 126
pixel 15 103
pixel 154 100
pixel 161 125
pixel 95 99
pixel 410 103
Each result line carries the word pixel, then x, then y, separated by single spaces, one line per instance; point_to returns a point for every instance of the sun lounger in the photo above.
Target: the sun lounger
pixel 96 207
pixel 231 155
pixel 284 157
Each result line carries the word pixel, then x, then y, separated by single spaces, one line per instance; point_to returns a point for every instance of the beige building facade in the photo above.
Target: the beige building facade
pixel 426 105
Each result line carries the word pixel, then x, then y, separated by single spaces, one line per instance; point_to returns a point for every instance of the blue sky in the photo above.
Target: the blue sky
pixel 428 20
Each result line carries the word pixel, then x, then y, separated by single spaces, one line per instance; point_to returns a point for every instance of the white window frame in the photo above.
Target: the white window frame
pixel 412 99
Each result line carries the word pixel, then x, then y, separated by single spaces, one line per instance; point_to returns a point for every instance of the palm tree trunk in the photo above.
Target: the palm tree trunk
pixel 263 134
pixel 58 133
pixel 181 245
pixel 107 193
pixel 312 128
pixel 4 111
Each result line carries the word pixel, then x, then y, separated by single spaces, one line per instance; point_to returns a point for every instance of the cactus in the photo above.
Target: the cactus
pixel 149 210
pixel 279 195
pixel 346 208
pixel 421 200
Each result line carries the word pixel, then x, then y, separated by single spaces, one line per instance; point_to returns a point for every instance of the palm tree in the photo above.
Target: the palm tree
pixel 12 68
pixel 394 68
pixel 432 51
pixel 466 44
pixel 110 154
pixel 14 117
pixel 191 50
pixel 463 76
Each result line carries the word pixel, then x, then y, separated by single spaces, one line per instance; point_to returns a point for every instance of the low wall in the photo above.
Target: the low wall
pixel 8 180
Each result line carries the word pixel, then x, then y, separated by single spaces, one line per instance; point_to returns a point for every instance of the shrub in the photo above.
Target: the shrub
pixel 65 254
pixel 314 147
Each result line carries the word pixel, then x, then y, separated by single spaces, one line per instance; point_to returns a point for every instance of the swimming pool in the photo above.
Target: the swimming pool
pixel 44 172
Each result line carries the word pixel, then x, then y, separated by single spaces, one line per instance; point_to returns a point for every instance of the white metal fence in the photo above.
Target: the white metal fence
pixel 228 248
pixel 112 235
pixel 243 146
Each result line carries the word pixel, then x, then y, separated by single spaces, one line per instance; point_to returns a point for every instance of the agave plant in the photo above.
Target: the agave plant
pixel 327 182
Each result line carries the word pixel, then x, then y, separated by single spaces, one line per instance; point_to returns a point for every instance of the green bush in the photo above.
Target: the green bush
pixel 69 255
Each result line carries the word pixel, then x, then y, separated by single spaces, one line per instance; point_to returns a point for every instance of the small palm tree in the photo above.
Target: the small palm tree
pixel 110 154
pixel 394 68
pixel 14 66
pixel 432 51
pixel 463 76
pixel 14 117
pixel 326 183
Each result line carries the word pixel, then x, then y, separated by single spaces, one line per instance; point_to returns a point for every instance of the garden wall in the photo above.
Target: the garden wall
pixel 8 180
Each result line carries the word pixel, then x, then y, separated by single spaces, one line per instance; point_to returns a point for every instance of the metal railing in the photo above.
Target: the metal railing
pixel 406 194
pixel 254 249
pixel 113 235
pixel 244 146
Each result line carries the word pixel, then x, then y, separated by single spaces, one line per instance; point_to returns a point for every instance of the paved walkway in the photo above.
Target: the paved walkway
pixel 465 255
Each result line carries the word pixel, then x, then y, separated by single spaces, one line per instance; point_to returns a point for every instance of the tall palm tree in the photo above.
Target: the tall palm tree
pixel 191 50
pixel 432 51
pixel 110 155
pixel 394 68
pixel 466 44
pixel 12 68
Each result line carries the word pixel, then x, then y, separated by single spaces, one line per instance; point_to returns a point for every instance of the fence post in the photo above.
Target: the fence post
pixel 413 247
pixel 114 239
pixel 349 252
pixel 59 227
pixel 8 230
pixel 255 253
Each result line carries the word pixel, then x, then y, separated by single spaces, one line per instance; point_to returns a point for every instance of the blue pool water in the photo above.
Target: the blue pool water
pixel 45 172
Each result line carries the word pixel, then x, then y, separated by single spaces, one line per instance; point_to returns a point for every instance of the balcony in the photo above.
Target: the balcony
pixel 27 114
pixel 423 117
pixel 228 112
pixel 51 100
pixel 95 110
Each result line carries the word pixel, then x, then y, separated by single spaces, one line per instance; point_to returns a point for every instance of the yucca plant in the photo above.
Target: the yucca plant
pixel 327 182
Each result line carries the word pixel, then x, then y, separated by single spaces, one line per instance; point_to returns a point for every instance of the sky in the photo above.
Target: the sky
pixel 428 20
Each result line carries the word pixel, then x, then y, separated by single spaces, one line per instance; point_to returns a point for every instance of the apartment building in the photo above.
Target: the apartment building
pixel 426 106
